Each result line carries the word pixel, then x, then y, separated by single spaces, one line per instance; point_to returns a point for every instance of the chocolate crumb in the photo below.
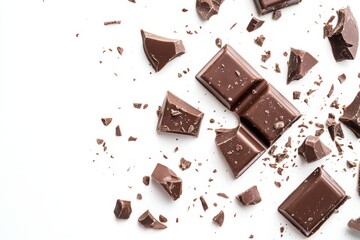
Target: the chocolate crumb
pixel 288 143
pixel 223 195
pixel 148 221
pixel 117 131
pixel 106 121
pixel 162 218
pixel 111 22
pixel 146 180
pixel 137 105
pixel 99 141
pixel 184 164
pixel 296 95
pixel 203 203
pixel 276 15
pixel 260 40
pixel 254 24
pixel 277 184
pixel 218 42
pixel 120 50
pixel 266 56
pixel 139 196
pixel 342 78
pixel 131 138
pixel 277 68
pixel 219 218
pixel 350 164
pixel 184 10
pixel 331 91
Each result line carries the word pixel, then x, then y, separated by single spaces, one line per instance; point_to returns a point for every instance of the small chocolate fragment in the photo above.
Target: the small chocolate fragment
pixel 132 139
pixel 296 95
pixel 344 38
pixel 138 196
pixel 250 196
pixel 254 24
pixel 266 56
pixel 313 202
pixel 137 105
pixel 219 218
pixel 177 116
pixel 260 40
pixel 208 8
pixel 354 224
pixel 106 121
pixel 300 62
pixel 160 50
pixel 122 209
pixel 218 42
pixel 222 195
pixel 351 164
pixel 168 180
pixel 162 218
pixel 112 22
pixel 99 141
pixel 117 131
pixel 148 221
pixel 334 128
pixel 351 116
pixel 277 68
pixel 120 50
pixel 313 149
pixel 203 203
pixel 342 78
pixel 331 91
pixel 276 15
pixel 265 6
pixel 146 180
pixel 184 164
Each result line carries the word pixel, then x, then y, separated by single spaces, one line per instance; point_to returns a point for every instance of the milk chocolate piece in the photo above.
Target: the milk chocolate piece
pixel 148 221
pixel 203 203
pixel 344 38
pixel 276 15
pixel 300 62
pixel 146 180
pixel 208 8
pixel 160 50
pixel 351 116
pixel 177 116
pixel 265 6
pixel 354 224
pixel 334 128
pixel 219 218
pixel 313 202
pixel 184 164
pixel 313 149
pixel 122 209
pixel 168 180
pixel 117 131
pixel 254 24
pixel 106 121
pixel 162 219
pixel 342 78
pixel 250 196
pixel 260 40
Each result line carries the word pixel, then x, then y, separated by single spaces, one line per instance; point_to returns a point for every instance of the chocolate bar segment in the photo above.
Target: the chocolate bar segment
pixel 351 116
pixel 313 202
pixel 168 180
pixel 265 6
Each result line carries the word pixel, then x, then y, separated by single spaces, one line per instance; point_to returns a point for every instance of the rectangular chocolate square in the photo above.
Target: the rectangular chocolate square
pixel 265 6
pixel 313 201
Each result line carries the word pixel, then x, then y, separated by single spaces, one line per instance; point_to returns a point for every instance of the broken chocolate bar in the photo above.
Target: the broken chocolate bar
pixel 265 6
pixel 219 218
pixel 122 209
pixel 354 224
pixel 313 149
pixel 160 50
pixel 344 38
pixel 313 202
pixel 250 196
pixel 208 8
pixel 254 24
pixel 168 180
pixel 148 221
pixel 300 62
pixel 177 116
pixel 351 116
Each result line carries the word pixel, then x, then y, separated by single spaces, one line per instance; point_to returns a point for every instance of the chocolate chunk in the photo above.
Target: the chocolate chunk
pixel 117 131
pixel 106 121
pixel 132 139
pixel 354 224
pixel 208 8
pixel 276 15
pixel 168 180
pixel 342 78
pixel 344 38
pixel 177 116
pixel 254 24
pixel 219 218
pixel 313 201
pixel 296 95
pixel 351 116
pixel 203 203
pixel 148 221
pixel 260 40
pixel 313 149
pixel 331 91
pixel 160 50
pixel 334 128
pixel 351 164
pixel 122 209
pixel 265 6
pixel 300 62
pixel 146 180
pixel 250 196
pixel 184 164
pixel 162 218
pixel 137 105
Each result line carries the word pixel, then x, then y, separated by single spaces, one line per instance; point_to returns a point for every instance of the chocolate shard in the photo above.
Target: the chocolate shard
pixel 219 218
pixel 344 38
pixel 122 209
pixel 313 202
pixel 354 224
pixel 177 116
pixel 254 24
pixel 300 62
pixel 239 148
pixel 203 203
pixel 168 180
pixel 148 221
pixel 160 50
pixel 334 128
pixel 184 164
pixel 208 8
pixel 313 149
pixel 106 121
pixel 266 6
pixel 250 196
pixel 351 116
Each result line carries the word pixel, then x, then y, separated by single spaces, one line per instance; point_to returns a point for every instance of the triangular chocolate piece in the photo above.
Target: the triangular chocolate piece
pixel 351 116
pixel 160 50
pixel 168 180
pixel 313 149
pixel 334 128
pixel 300 62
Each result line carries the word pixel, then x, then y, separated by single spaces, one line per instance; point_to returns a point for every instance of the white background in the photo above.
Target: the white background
pixel 54 91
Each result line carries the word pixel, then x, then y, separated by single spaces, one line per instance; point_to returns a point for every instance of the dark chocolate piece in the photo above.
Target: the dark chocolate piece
pixel 122 209
pixel 313 149
pixel 260 40
pixel 300 62
pixel 203 203
pixel 208 8
pixel 117 131
pixel 276 15
pixel 354 224
pixel 146 180
pixel 334 128
pixel 342 78
pixel 250 196
pixel 344 38
pixel 313 202
pixel 160 50
pixel 219 218
pixel 265 6
pixel 106 121
pixel 168 180
pixel 148 221
pixel 177 116
pixel 351 116
pixel 254 24
pixel 184 164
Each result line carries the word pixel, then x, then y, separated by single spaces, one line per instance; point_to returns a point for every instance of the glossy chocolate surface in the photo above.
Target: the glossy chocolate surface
pixel 300 62
pixel 265 6
pixel 351 116
pixel 250 196
pixel 313 149
pixel 168 180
